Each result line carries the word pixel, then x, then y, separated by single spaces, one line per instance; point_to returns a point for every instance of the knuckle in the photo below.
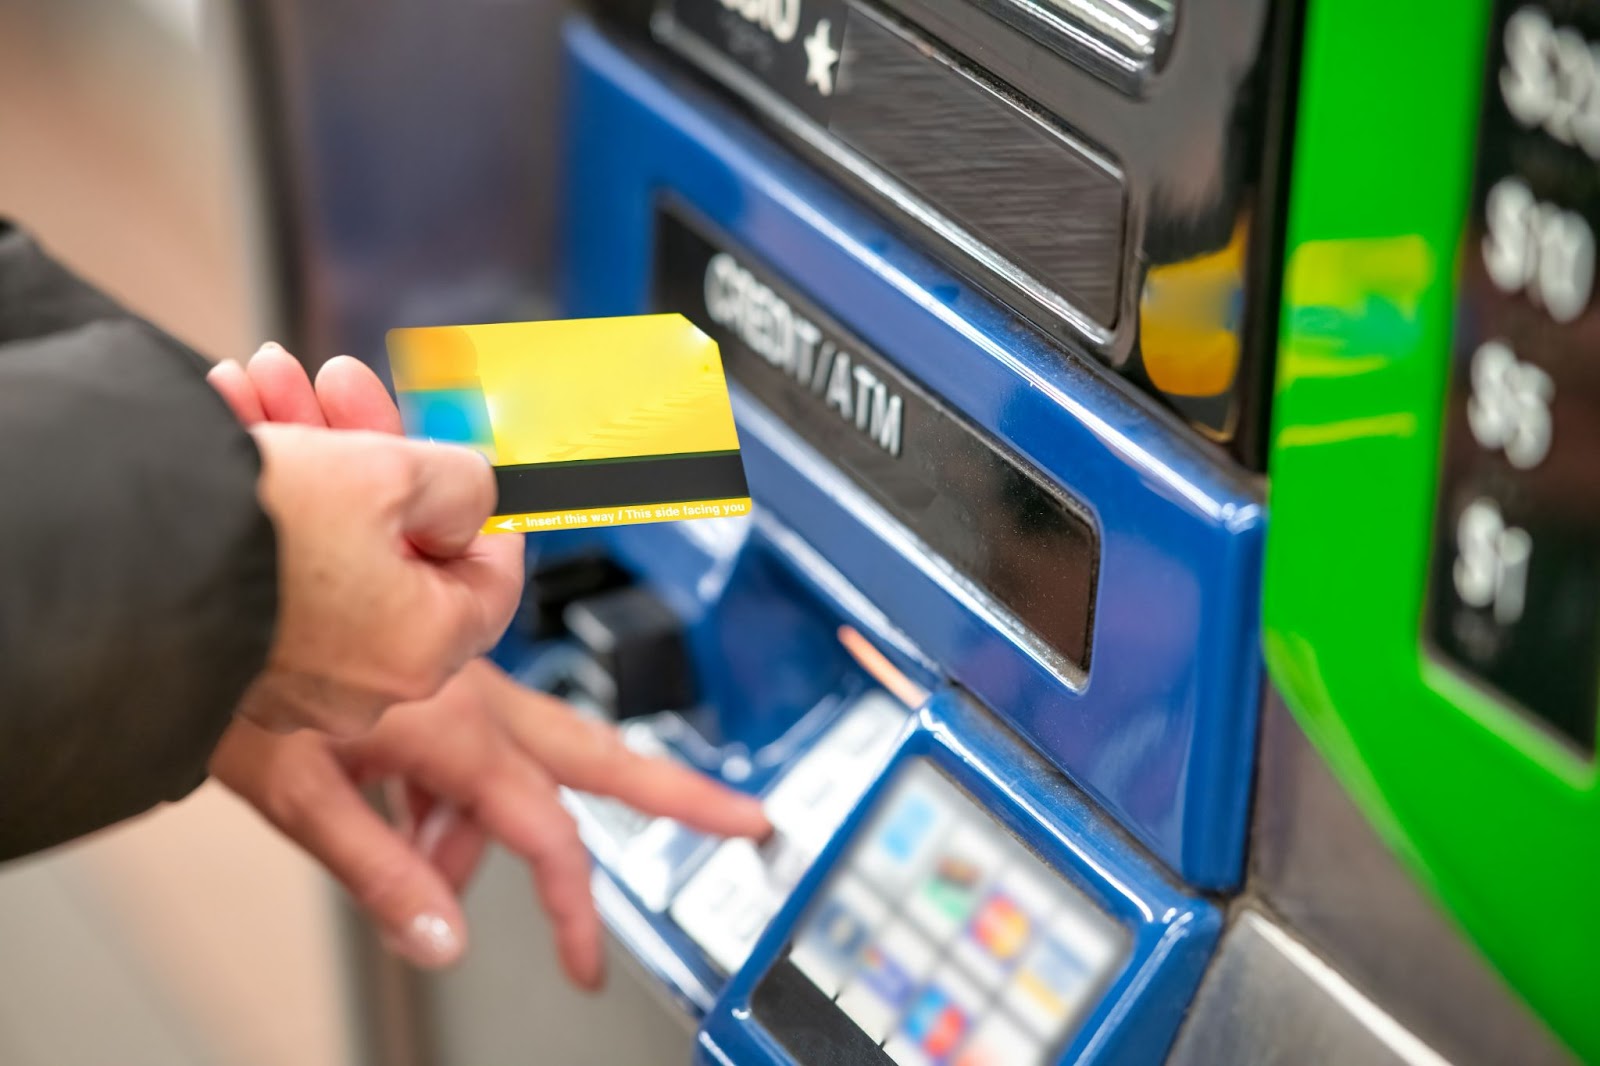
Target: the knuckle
pixel 381 883
pixel 297 793
pixel 411 684
pixel 388 469
pixel 419 664
pixel 353 725
pixel 554 841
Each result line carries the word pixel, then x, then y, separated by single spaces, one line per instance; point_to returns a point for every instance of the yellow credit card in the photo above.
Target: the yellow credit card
pixel 593 422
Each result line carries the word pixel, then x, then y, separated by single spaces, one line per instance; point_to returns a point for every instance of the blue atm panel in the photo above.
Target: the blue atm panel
pixel 953 882
pixel 1116 631
pixel 968 913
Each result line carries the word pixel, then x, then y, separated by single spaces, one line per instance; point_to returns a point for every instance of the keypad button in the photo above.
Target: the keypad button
pixel 816 794
pixel 727 903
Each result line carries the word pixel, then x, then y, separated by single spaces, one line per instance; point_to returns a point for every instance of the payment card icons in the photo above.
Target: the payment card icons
pixel 1063 970
pixel 1006 921
pixel 946 942
pixel 1050 986
pixel 890 973
pixel 902 840
pixel 833 941
pixel 938 1020
pixel 1001 927
pixel 954 883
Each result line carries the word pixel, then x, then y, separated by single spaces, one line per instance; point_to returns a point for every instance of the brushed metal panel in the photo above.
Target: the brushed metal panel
pixel 1003 173
pixel 1269 1001
pixel 1321 867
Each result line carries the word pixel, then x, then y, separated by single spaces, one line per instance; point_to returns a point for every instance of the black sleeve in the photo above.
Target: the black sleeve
pixel 138 572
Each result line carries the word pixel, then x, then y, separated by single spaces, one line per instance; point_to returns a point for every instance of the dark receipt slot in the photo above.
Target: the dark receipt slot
pixel 940 939
pixel 1515 586
pixel 981 511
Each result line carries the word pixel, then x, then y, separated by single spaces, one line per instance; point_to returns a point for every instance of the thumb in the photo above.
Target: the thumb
pixel 452 494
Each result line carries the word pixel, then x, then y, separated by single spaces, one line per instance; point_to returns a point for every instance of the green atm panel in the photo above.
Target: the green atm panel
pixel 1433 566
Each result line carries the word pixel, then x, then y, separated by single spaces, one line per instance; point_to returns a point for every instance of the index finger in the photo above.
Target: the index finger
pixel 590 756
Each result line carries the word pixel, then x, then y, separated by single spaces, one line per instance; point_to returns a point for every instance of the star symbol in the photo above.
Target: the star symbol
pixel 820 58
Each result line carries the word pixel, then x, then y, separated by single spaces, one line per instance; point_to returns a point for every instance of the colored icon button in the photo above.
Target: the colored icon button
pixel 830 947
pixel 903 837
pixel 890 973
pixel 938 1020
pixel 961 869
pixel 1005 923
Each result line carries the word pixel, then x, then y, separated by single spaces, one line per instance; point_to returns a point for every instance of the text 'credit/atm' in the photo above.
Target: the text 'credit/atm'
pixel 792 343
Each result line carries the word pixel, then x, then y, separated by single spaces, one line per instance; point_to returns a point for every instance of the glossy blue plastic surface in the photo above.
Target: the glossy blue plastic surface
pixel 1172 934
pixel 651 937
pixel 1162 731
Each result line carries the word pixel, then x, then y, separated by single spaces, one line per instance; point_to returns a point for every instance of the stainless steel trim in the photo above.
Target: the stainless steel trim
pixel 1123 43
pixel 1268 1000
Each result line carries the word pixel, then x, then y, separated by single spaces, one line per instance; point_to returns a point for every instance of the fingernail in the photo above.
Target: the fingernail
pixel 269 346
pixel 429 941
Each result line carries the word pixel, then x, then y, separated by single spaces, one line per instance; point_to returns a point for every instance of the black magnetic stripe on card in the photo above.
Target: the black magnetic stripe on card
pixel 581 485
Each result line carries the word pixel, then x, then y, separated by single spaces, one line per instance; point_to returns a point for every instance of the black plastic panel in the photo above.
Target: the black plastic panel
pixel 1118 183
pixel 1515 590
pixel 808 1024
pixel 1008 177
pixel 982 510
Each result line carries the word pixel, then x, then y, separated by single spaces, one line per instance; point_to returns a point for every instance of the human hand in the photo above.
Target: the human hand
pixel 447 750
pixel 385 587
pixel 495 752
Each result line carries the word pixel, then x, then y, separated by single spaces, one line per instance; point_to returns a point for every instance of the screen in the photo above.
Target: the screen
pixel 941 939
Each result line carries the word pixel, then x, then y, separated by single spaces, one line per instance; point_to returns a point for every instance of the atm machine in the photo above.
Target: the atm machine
pixel 1028 308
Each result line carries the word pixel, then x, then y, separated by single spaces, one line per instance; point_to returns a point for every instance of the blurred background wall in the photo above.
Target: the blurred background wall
pixel 196 936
